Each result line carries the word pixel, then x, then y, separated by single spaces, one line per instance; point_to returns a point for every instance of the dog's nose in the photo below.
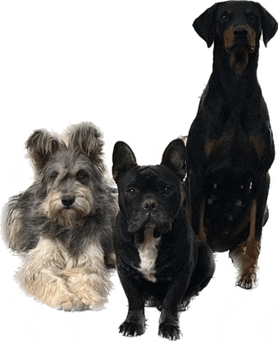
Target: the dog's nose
pixel 240 32
pixel 67 201
pixel 149 204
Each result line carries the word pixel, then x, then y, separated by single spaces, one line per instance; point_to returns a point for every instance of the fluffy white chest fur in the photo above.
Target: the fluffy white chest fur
pixel 148 252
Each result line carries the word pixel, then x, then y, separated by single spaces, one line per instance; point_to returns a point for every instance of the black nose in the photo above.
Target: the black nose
pixel 149 204
pixel 240 32
pixel 67 201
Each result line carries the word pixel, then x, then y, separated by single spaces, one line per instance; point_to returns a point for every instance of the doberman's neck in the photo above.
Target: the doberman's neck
pixel 235 76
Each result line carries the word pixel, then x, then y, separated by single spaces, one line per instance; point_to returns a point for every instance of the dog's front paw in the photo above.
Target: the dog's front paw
pixel 169 325
pixel 70 304
pixel 132 328
pixel 170 331
pixel 90 288
pixel 247 281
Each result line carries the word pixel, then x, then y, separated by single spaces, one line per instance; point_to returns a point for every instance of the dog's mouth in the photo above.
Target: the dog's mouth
pixel 156 232
pixel 161 224
pixel 240 48
pixel 240 57
pixel 67 210
pixel 240 39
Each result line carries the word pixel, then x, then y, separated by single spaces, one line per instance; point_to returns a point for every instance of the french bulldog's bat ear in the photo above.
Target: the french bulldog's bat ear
pixel 123 160
pixel 174 158
pixel 205 25
pixel 269 25
pixel 41 145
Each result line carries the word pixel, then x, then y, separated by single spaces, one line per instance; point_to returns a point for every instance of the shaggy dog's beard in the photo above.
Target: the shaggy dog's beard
pixel 57 212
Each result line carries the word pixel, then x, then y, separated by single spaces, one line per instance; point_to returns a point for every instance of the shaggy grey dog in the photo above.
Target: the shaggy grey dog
pixel 62 224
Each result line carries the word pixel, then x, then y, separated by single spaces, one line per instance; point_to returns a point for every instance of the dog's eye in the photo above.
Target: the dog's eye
pixel 53 175
pixel 167 190
pixel 82 176
pixel 251 16
pixel 132 191
pixel 225 17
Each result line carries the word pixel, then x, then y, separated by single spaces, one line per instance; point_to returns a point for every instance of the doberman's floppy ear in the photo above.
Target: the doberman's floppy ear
pixel 205 25
pixel 41 145
pixel 174 158
pixel 123 160
pixel 269 25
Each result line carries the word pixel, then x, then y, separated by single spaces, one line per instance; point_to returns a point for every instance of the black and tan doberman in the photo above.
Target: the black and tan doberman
pixel 230 146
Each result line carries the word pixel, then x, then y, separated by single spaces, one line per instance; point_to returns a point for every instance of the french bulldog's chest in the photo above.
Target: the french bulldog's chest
pixel 148 252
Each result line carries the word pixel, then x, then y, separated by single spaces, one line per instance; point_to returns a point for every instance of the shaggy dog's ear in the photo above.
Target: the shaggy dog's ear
pixel 41 145
pixel 87 138
pixel 123 160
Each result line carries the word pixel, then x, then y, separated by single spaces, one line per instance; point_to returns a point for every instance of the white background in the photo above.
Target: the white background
pixel 136 69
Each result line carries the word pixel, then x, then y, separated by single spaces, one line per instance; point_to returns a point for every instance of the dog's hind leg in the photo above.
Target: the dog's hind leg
pixel 202 274
pixel 39 278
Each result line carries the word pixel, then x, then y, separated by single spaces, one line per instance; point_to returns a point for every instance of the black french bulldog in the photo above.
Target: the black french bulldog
pixel 160 262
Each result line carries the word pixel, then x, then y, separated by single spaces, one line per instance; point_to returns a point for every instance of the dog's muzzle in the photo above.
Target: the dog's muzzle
pixel 150 214
pixel 241 39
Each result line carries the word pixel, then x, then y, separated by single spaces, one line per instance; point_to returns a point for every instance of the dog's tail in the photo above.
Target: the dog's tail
pixel 15 222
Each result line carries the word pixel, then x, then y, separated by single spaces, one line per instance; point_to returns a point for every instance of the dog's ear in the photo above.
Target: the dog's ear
pixel 205 25
pixel 123 160
pixel 87 138
pixel 174 158
pixel 269 25
pixel 41 145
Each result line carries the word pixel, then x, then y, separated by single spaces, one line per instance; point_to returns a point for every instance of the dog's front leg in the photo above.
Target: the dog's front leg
pixel 169 324
pixel 39 276
pixel 197 206
pixel 87 277
pixel 169 318
pixel 246 255
pixel 135 323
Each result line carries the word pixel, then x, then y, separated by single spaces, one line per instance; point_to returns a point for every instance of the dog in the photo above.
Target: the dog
pixel 159 260
pixel 62 224
pixel 230 146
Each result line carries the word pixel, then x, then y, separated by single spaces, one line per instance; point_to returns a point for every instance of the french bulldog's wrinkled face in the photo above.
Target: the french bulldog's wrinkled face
pixel 150 196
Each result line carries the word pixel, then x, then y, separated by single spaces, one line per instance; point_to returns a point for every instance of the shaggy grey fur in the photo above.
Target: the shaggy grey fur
pixel 70 202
